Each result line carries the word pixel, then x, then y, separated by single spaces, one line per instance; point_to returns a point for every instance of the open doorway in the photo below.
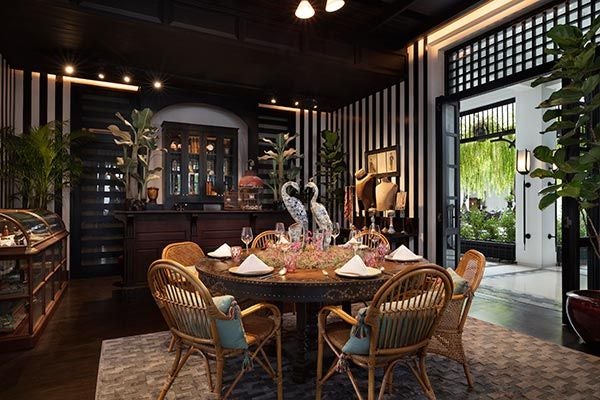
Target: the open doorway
pixel 499 207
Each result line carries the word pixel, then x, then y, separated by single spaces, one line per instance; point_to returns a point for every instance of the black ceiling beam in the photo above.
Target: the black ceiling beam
pixel 389 13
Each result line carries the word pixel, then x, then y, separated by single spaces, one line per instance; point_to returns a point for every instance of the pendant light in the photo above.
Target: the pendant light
pixel 305 10
pixel 334 5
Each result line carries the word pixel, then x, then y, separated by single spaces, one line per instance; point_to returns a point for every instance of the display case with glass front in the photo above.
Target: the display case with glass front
pixel 201 163
pixel 33 273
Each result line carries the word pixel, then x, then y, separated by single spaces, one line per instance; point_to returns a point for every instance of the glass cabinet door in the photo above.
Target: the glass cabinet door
pixel 193 165
pixel 174 165
pixel 210 187
pixel 228 162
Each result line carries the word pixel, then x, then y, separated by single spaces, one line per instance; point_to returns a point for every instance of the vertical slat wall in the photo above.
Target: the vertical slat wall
pixel 7 121
pixel 394 115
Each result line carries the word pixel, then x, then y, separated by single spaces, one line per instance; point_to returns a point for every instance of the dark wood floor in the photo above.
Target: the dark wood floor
pixel 63 365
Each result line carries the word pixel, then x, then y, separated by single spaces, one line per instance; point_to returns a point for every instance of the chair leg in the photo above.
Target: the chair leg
pixel 208 372
pixel 468 374
pixel 421 374
pixel 320 344
pixel 178 363
pixel 171 344
pixel 219 376
pixel 371 394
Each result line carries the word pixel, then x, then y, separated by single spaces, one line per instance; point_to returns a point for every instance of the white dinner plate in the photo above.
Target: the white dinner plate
pixel 371 272
pixel 390 257
pixel 211 255
pixel 234 270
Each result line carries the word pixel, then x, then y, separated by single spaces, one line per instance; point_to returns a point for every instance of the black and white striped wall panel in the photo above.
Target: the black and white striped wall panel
pixel 7 118
pixel 395 115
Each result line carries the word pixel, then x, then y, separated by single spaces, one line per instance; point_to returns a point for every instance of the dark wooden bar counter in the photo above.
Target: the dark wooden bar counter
pixel 148 232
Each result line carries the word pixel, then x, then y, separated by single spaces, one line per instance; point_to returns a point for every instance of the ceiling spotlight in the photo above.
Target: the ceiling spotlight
pixel 69 69
pixel 273 100
pixel 296 103
pixel 315 106
pixel 304 10
pixel 126 78
pixel 334 5
pixel 157 84
pixel 101 75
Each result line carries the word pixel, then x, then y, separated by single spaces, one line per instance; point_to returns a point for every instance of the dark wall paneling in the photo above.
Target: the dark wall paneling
pixel 7 116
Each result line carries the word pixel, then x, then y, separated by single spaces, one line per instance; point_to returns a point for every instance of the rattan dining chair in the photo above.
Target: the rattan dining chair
pixel 187 254
pixel 264 238
pixel 372 239
pixel 447 339
pixel 193 318
pixel 396 327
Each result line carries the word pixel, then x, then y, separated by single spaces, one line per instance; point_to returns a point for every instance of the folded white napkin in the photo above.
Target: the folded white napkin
pixel 223 251
pixel 353 241
pixel 403 253
pixel 252 264
pixel 283 240
pixel 355 266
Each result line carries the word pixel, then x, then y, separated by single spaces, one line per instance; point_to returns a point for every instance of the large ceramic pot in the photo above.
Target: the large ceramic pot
pixel 583 310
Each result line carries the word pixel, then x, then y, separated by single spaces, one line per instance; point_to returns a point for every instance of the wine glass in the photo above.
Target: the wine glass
pixel 335 232
pixel 375 238
pixel 247 236
pixel 280 229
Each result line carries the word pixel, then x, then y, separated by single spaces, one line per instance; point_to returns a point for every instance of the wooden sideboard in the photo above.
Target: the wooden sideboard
pixel 148 232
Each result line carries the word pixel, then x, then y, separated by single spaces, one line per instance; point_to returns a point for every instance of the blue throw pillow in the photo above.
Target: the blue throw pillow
pixel 460 284
pixel 231 332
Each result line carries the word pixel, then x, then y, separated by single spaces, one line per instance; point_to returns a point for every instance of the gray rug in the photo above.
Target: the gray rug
pixel 505 365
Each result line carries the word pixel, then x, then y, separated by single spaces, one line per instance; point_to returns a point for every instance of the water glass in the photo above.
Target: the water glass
pixel 290 262
pixel 295 232
pixel 247 236
pixel 236 253
pixel 335 232
pixel 280 229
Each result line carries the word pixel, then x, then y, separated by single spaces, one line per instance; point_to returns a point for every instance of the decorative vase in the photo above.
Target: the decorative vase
pixel 583 310
pixel 152 194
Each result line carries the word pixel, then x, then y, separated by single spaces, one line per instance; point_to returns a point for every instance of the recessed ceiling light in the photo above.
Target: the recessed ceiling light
pixel 296 103
pixel 304 10
pixel 157 84
pixel 273 100
pixel 315 106
pixel 334 5
pixel 101 75
pixel 69 69
pixel 126 78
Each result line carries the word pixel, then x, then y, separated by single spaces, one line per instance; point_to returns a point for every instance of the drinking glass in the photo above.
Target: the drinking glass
pixel 247 236
pixel 295 233
pixel 375 239
pixel 280 229
pixel 335 232
pixel 236 253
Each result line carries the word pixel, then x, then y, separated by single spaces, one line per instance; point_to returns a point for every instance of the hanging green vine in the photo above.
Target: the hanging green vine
pixel 487 167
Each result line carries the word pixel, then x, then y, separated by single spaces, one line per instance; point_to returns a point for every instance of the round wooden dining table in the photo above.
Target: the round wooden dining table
pixel 307 289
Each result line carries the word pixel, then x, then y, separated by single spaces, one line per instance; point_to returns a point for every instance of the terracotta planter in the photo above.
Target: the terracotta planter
pixel 583 310
pixel 152 193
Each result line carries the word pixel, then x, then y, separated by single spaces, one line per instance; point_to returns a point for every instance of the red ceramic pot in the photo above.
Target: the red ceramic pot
pixel 583 310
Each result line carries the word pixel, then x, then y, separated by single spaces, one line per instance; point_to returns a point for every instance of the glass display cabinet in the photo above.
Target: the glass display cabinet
pixel 201 162
pixel 33 273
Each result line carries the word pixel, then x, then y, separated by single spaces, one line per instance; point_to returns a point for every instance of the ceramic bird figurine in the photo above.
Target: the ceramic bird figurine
pixel 319 212
pixel 293 205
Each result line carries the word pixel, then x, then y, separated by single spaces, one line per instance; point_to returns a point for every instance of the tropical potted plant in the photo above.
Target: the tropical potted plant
pixel 138 144
pixel 42 161
pixel 282 157
pixel 575 163
pixel 331 169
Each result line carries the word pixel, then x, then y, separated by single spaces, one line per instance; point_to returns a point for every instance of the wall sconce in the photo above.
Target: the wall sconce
pixel 523 168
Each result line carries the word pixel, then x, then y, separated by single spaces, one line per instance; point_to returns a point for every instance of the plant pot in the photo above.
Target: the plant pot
pixel 583 310
pixel 152 194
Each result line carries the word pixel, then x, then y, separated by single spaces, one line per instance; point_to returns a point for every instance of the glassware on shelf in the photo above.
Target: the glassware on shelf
pixel 247 236
pixel 175 177
pixel 193 176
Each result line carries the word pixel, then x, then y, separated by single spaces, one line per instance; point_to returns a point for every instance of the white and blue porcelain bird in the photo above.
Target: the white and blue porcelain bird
pixel 318 210
pixel 293 205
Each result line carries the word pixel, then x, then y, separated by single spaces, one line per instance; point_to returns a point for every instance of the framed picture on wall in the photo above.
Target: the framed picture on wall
pixel 384 161
pixel 372 164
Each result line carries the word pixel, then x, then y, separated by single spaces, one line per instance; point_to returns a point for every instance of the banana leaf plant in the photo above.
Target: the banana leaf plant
pixel 138 144
pixel 331 169
pixel 572 110
pixel 282 157
pixel 42 161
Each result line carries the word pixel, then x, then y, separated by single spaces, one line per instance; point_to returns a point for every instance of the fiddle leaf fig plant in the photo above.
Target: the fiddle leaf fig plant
pixel 570 111
pixel 138 144
pixel 282 157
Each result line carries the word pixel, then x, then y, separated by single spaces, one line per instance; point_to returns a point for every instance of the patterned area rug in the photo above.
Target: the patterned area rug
pixel 505 365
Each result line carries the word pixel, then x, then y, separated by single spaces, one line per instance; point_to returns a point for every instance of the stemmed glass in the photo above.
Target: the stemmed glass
pixel 335 232
pixel 247 236
pixel 375 238
pixel 280 229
